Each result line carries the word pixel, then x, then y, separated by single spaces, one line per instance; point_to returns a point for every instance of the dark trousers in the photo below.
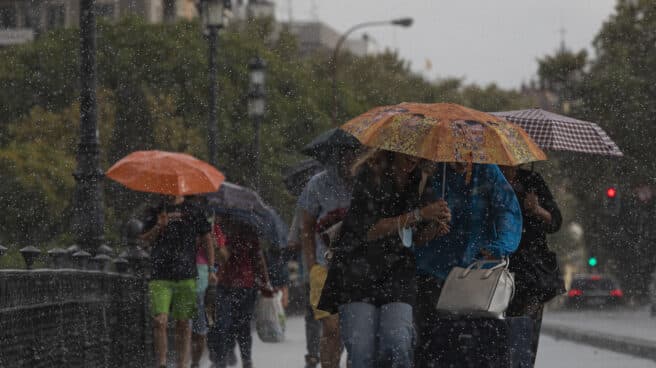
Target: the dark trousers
pixel 537 325
pixel 525 336
pixel 312 329
pixel 428 293
pixel 234 312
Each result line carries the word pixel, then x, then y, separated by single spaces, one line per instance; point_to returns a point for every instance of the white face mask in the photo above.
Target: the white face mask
pixel 406 237
pixel 405 233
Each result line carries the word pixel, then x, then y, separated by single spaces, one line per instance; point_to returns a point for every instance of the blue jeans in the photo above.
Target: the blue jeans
pixel 378 336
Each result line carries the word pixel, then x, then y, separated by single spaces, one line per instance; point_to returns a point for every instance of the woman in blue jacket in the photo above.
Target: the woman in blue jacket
pixel 486 222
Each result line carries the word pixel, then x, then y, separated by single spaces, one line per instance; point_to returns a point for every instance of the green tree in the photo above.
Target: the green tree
pixel 562 73
pixel 619 93
pixel 622 83
pixel 153 83
pixel 614 89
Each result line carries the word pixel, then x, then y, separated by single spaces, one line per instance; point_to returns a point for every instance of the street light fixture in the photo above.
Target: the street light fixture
pixel 400 22
pixel 257 107
pixel 403 22
pixel 213 15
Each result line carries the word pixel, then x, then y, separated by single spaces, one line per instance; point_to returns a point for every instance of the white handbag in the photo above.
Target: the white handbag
pixel 478 291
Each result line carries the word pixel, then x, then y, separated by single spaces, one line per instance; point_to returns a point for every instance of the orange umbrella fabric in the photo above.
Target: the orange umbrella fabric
pixel 445 132
pixel 163 172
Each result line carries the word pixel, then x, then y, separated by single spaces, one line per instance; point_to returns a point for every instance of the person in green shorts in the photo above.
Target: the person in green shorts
pixel 173 231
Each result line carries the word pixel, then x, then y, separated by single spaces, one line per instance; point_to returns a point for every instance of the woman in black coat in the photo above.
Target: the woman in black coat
pixel 371 279
pixel 537 276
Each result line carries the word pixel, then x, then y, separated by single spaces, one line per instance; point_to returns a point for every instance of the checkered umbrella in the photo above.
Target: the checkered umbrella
pixel 561 133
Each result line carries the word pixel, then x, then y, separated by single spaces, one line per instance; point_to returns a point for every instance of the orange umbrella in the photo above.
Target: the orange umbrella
pixel 166 173
pixel 445 132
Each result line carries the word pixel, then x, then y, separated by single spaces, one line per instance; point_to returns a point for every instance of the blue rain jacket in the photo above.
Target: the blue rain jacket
pixel 485 215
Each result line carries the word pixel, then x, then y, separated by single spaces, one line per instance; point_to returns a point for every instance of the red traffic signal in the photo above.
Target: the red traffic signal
pixel 611 192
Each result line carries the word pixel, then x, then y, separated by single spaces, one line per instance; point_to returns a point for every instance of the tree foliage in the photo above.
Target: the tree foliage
pixel 153 95
pixel 616 89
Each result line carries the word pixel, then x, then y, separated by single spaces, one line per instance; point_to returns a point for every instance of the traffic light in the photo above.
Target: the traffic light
pixel 592 261
pixel 611 192
pixel 612 202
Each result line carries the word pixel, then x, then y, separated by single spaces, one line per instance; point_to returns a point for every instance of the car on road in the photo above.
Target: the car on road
pixel 594 290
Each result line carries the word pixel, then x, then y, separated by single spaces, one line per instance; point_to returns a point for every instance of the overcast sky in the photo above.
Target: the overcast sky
pixel 483 41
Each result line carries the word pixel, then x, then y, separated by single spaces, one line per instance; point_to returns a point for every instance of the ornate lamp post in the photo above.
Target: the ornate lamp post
pixel 257 107
pixel 88 199
pixel 213 16
pixel 401 22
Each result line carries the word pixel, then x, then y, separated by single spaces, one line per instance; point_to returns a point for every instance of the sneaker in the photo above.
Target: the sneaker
pixel 247 364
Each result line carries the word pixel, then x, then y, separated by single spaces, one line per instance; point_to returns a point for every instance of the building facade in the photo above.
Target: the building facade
pixel 22 20
pixel 317 37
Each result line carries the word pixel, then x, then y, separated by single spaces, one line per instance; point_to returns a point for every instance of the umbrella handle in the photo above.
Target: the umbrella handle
pixel 444 180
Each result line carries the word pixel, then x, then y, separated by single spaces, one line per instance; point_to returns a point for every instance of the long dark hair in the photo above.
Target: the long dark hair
pixel 379 161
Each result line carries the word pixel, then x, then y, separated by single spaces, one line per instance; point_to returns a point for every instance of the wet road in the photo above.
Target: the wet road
pixel 552 353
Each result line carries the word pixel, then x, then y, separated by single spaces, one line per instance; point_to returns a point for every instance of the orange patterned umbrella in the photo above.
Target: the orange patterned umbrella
pixel 445 132
pixel 163 172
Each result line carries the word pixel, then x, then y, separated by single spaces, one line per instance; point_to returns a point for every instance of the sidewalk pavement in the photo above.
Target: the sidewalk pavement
pixel 624 330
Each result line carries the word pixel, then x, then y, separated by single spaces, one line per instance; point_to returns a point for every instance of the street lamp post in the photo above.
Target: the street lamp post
pixel 88 213
pixel 212 12
pixel 257 108
pixel 401 22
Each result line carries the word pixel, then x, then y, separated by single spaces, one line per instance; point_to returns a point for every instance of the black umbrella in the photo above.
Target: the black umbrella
pixel 295 177
pixel 329 143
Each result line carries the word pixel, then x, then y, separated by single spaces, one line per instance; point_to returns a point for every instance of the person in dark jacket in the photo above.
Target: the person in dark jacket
pixel 371 277
pixel 541 216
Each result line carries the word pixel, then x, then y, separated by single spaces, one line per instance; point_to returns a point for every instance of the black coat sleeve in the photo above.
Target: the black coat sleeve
pixel 547 202
pixel 362 214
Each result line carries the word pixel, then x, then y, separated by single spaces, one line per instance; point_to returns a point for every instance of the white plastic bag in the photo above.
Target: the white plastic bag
pixel 270 318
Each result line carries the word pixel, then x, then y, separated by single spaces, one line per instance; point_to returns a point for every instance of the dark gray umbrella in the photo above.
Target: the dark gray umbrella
pixel 329 143
pixel 246 205
pixel 295 177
